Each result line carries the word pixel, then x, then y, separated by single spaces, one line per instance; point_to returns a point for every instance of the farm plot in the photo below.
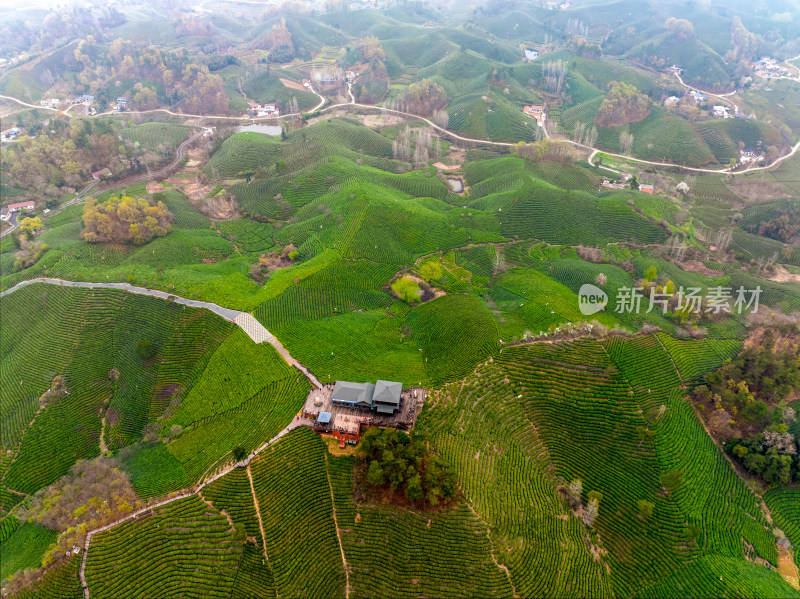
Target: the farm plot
pixel 232 495
pixel 291 484
pixel 587 420
pixel 251 237
pixel 455 333
pixel 553 215
pixel 59 583
pixel 443 554
pixel 696 358
pixel 784 503
pixel 236 372
pixel 266 88
pixel 97 351
pixel 530 302
pixel 714 187
pixel 24 548
pixel 161 137
pixel 185 549
pixel 480 427
pixel 254 422
pixel 709 494
pixel 358 346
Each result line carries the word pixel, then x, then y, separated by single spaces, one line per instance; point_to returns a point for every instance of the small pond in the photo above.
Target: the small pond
pixel 456 184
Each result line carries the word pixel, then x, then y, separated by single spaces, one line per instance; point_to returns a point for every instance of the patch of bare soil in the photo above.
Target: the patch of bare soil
pixel 292 84
pixel 455 157
pixel 700 268
pixel 221 207
pixel 783 338
pixel 758 190
pixel 381 120
pixel 268 263
pixel 103 446
pixel 198 154
pixel 154 187
pixel 788 569
pixel 166 391
pixel 279 258
pixel 781 275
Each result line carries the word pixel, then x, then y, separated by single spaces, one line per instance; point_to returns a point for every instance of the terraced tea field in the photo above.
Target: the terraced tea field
pixel 183 549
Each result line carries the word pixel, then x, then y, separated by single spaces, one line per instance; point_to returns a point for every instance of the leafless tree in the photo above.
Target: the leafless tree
pixel 554 75
pixel 401 147
pixel 590 514
pixel 441 118
pixel 625 142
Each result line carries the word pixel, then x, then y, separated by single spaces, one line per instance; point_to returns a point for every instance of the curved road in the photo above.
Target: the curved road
pixel 723 97
pixel 569 141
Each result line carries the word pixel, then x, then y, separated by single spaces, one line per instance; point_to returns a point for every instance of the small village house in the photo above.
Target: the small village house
pixel 648 188
pixel 12 208
pixel 536 111
pixel 269 109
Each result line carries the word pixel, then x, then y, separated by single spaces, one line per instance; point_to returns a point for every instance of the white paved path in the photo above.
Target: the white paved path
pixel 254 329
pixel 246 321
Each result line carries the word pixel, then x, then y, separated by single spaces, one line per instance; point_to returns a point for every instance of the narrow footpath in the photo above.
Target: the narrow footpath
pixel 181 495
pixel 260 523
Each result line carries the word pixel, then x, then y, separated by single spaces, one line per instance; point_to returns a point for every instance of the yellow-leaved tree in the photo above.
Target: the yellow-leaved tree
pixel 125 220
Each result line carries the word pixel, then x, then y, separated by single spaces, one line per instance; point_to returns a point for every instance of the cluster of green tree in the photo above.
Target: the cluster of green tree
pixel 125 220
pixel 406 464
pixel 781 228
pixel 94 493
pixel 175 76
pixel 219 61
pixel 745 402
pixel 759 376
pixel 278 41
pixel 407 289
pixel 772 454
pixel 53 165
pixel 623 104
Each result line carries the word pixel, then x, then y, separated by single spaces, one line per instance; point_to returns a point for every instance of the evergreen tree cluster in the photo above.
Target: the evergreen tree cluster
pixel 406 464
